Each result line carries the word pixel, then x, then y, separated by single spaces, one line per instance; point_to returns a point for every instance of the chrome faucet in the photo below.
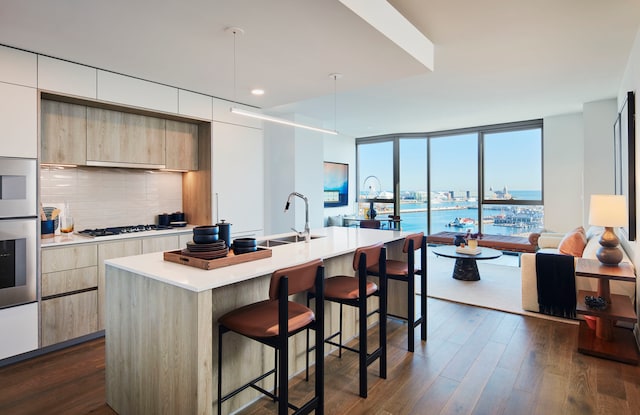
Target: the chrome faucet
pixel 307 232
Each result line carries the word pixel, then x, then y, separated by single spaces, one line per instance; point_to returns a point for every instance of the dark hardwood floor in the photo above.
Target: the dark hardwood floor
pixel 476 361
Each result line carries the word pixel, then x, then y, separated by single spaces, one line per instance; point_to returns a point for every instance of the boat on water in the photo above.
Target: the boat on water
pixel 462 223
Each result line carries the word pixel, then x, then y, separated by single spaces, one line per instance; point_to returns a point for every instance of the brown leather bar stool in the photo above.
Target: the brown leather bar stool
pixel 263 321
pixel 405 271
pixel 347 290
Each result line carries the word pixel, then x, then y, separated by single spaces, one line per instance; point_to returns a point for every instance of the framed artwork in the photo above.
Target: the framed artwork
pixel 624 146
pixel 336 184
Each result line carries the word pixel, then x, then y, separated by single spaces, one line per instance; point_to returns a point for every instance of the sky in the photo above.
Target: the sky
pixel 512 159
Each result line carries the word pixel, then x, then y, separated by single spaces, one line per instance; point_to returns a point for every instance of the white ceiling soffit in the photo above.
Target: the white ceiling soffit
pixel 388 21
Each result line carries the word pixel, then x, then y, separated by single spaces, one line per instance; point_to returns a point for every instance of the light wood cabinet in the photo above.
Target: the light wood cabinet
pixel 63 133
pixel 110 250
pixel 181 145
pixel 120 138
pixel 69 316
pixel 69 306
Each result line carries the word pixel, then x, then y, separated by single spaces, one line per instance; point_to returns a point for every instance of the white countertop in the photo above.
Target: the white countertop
pixel 337 241
pixel 73 238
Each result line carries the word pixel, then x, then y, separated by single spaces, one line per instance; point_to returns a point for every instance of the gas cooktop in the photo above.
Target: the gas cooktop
pixel 117 230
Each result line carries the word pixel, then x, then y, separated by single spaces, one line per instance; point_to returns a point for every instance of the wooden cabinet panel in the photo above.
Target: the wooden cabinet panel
pixel 68 317
pixel 19 121
pixel 181 145
pixel 110 250
pixel 63 133
pixel 119 137
pixel 70 280
pixel 60 259
pixel 160 243
pixel 66 77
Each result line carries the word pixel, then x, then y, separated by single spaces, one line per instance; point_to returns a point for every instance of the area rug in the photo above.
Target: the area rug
pixel 499 287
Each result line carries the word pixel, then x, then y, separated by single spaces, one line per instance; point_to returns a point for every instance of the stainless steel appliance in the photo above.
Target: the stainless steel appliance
pixel 117 230
pixel 18 231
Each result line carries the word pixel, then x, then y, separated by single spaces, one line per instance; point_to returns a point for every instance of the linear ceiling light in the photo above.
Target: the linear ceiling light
pixel 238 111
pixel 388 21
pixel 279 120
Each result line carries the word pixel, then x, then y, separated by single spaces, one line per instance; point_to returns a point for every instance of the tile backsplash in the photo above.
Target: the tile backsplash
pixel 99 197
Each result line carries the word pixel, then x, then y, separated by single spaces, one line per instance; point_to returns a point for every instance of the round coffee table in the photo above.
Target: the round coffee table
pixel 466 268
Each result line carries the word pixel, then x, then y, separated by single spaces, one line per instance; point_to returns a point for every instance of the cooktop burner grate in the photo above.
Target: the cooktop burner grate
pixel 117 230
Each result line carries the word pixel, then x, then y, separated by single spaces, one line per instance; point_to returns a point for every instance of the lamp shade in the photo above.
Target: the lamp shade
pixel 608 210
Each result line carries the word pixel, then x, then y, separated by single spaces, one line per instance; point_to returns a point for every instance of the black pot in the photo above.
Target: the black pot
pixel 225 232
pixel 244 243
pixel 163 219
pixel 240 251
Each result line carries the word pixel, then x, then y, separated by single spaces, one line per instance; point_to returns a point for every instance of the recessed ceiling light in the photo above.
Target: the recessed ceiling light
pixel 257 91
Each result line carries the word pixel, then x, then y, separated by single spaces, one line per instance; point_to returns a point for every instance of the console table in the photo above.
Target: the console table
pixel 607 340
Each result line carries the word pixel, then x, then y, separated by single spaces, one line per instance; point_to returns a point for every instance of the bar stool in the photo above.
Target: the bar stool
pixel 347 290
pixel 405 271
pixel 262 322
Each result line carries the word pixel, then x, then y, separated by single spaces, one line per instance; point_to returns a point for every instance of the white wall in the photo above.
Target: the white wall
pixel 631 82
pixel 563 157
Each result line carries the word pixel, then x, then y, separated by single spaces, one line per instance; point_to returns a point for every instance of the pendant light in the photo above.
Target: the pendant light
pixel 252 114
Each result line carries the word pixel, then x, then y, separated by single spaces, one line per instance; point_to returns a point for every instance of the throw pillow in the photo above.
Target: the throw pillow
pixel 573 242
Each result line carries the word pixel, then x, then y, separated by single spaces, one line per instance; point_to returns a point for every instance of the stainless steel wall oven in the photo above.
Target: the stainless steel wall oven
pixel 18 231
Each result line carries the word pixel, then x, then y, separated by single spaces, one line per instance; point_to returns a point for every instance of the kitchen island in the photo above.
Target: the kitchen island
pixel 161 325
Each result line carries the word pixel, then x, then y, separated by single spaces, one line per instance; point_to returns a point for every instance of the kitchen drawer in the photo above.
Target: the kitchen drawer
pixel 60 282
pixel 60 259
pixel 68 317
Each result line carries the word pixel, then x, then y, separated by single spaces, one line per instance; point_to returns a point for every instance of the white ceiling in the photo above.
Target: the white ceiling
pixel 495 60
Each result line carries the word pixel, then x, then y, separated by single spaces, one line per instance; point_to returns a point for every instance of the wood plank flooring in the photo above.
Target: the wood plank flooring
pixel 476 361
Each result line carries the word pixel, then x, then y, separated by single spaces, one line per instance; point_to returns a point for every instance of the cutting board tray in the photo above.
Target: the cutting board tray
pixel 231 259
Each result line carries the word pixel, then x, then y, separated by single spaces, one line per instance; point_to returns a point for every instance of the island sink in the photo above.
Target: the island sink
pixel 284 240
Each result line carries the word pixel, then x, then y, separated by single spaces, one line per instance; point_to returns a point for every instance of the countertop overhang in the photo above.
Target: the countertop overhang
pixel 335 241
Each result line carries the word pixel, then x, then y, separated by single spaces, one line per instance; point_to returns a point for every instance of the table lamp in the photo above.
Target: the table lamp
pixel 608 211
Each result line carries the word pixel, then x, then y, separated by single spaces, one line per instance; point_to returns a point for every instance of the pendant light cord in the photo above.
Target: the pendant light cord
pixel 235 98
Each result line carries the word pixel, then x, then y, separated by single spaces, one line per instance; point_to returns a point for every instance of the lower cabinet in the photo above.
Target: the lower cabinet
pixel 69 316
pixel 69 291
pixel 73 283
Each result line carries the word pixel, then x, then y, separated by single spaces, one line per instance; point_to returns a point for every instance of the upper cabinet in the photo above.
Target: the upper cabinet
pixel 18 103
pixel 196 105
pixel 128 140
pixel 18 67
pixel 63 133
pixel 66 77
pixel 136 92
pixel 181 145
pixel 238 176
pixel 19 121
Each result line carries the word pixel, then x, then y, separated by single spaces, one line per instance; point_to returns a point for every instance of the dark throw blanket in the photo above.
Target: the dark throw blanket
pixel 556 284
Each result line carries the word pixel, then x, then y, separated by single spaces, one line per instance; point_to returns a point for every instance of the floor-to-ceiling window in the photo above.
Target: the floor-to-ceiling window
pixel 375 179
pixel 453 162
pixel 486 179
pixel 414 191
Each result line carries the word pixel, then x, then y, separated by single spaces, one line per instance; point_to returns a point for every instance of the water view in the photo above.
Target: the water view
pixel 461 214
